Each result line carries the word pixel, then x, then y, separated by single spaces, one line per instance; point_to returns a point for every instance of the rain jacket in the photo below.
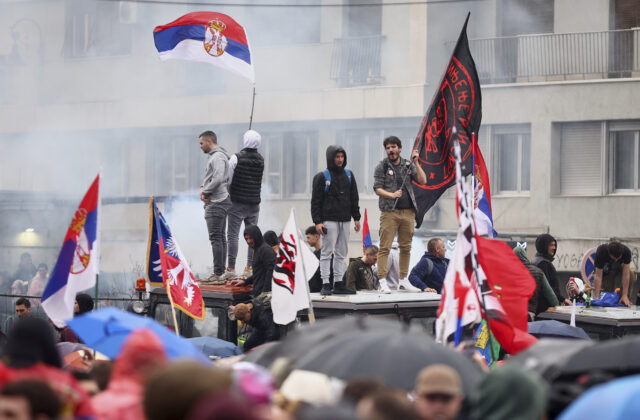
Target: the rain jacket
pixel 421 277
pixel 264 261
pixel 509 393
pixel 543 297
pixel 544 262
pixel 341 202
pixel 123 399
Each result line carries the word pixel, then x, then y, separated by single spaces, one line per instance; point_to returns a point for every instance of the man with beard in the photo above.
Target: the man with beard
pixel 397 202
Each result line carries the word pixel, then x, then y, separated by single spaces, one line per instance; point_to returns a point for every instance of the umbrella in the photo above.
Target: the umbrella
pixel 553 328
pixel 619 356
pixel 614 400
pixel 395 356
pixel 212 346
pixel 106 330
pixel 298 342
pixel 548 355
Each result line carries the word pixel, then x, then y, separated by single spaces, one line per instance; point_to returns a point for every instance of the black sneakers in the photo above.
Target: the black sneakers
pixel 339 288
pixel 326 289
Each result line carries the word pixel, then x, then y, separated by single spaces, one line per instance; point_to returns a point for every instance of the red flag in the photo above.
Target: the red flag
pixel 513 286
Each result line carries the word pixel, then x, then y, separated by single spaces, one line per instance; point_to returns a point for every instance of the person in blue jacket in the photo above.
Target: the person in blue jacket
pixel 428 274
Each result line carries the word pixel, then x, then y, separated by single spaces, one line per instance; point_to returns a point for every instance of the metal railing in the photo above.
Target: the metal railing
pixel 357 61
pixel 546 57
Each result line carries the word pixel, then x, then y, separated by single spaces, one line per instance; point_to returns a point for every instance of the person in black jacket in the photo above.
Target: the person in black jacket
pixel 546 245
pixel 260 318
pixel 334 202
pixel 264 261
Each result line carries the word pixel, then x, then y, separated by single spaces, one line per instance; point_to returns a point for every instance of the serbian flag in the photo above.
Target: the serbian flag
pixel 366 235
pixel 295 265
pixel 77 265
pixel 167 266
pixel 209 37
pixel 456 106
pixel 482 193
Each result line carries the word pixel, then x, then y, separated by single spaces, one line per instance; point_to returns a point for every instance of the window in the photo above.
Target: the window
pixel 511 149
pixel 364 151
pixel 290 163
pixel 283 25
pixel 97 29
pixel 174 165
pixel 624 156
pixel 580 156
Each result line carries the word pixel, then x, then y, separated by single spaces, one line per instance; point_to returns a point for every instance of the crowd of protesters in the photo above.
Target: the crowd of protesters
pixel 37 381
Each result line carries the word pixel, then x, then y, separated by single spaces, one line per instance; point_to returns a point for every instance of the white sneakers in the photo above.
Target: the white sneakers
pixel 406 285
pixel 384 287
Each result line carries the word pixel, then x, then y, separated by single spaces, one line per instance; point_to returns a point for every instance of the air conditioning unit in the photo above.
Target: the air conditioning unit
pixel 127 12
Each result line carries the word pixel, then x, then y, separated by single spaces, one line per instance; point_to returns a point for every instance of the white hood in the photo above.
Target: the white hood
pixel 252 139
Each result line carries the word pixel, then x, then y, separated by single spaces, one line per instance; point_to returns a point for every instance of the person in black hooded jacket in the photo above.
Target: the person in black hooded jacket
pixel 334 202
pixel 546 245
pixel 264 261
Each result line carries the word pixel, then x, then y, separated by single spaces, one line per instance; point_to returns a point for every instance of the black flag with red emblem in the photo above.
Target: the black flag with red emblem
pixel 456 104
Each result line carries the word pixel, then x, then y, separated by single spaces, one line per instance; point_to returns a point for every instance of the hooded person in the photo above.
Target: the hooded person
pixel 31 353
pixel 546 247
pixel 142 355
pixel 82 305
pixel 508 393
pixel 264 261
pixel 543 297
pixel 245 182
pixel 334 202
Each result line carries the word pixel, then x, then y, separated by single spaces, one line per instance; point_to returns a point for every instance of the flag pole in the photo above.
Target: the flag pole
pixel 474 246
pixel 173 309
pixel 310 312
pixel 253 102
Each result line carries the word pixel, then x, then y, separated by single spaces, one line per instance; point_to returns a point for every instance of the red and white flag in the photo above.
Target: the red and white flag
pixel 295 265
pixel 501 285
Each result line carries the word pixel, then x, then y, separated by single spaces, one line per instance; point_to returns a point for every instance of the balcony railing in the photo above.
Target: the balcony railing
pixel 357 61
pixel 547 57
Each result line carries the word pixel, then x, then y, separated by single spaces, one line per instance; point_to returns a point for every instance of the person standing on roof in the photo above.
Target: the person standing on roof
pixel 334 202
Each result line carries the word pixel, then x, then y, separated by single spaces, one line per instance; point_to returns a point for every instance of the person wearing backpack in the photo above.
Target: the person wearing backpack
pixel 334 202
pixel 428 274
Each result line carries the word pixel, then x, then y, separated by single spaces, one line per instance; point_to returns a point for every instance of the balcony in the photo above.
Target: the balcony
pixel 553 57
pixel 357 61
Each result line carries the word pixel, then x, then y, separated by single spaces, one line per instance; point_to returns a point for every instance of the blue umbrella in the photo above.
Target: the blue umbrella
pixel 105 330
pixel 555 328
pixel 212 346
pixel 613 400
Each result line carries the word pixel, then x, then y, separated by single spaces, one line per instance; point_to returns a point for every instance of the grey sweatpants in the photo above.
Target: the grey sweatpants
pixel 335 242
pixel 247 213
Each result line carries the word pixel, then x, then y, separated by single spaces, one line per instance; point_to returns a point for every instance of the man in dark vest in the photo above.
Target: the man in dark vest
pixel 245 180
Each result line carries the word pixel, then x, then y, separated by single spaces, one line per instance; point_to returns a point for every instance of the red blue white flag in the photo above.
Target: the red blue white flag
pixel 295 265
pixel 482 193
pixel 77 265
pixel 209 37
pixel 165 262
pixel 366 235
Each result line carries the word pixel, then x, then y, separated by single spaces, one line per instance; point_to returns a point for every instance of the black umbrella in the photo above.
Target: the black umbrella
pixel 395 356
pixel 548 355
pixel 553 328
pixel 617 356
pixel 298 342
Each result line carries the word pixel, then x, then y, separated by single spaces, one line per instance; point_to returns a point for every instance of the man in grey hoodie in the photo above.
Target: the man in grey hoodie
pixel 215 196
pixel 245 182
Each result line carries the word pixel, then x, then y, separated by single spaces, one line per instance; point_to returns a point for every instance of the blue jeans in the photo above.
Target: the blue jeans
pixel 215 214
